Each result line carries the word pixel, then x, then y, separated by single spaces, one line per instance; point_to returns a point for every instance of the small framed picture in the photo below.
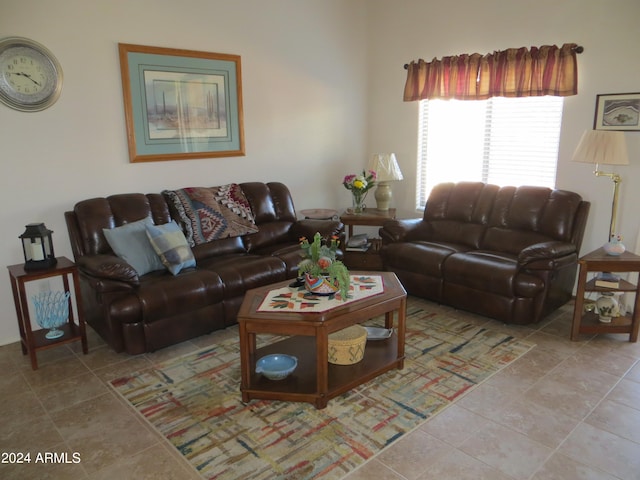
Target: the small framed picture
pixel 618 111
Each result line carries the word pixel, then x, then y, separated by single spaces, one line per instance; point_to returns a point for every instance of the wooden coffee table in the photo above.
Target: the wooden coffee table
pixel 315 380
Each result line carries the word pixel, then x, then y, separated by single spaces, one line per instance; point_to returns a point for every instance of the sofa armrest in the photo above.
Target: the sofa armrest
pixel 401 230
pixel 545 252
pixel 309 226
pixel 108 267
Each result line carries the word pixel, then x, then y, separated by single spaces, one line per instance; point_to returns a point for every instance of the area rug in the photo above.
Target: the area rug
pixel 194 402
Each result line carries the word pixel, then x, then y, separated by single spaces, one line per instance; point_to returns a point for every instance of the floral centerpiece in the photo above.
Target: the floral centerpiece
pixel 359 186
pixel 321 269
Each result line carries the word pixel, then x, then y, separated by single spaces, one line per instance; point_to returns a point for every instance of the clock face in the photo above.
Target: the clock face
pixel 30 76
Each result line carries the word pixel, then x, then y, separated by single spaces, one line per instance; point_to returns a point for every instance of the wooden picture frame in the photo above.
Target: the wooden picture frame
pixel 617 111
pixel 181 104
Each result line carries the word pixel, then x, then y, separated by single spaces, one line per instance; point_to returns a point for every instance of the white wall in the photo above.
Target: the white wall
pixel 405 30
pixel 322 84
pixel 303 65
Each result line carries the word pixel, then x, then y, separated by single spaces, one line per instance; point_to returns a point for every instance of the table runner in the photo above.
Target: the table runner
pixel 299 300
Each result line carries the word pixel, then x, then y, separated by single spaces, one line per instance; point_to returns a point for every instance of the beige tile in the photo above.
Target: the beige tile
pixel 45 466
pixel 374 470
pixel 460 466
pixel 49 373
pixel 559 467
pixel 102 357
pixel 634 373
pixel 12 383
pixel 43 357
pixel 413 453
pixel 103 430
pixel 564 398
pixel 626 392
pixel 127 367
pixel 548 426
pixel 154 463
pixel 33 435
pixel 604 360
pixel 21 409
pixel 619 343
pixel 603 451
pixel 554 344
pixel 618 419
pixel 454 425
pixel 70 391
pixel 559 326
pixel 577 375
pixel 512 453
pixel 484 398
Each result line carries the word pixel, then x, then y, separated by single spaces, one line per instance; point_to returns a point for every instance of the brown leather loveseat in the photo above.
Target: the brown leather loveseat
pixel 142 313
pixel 503 252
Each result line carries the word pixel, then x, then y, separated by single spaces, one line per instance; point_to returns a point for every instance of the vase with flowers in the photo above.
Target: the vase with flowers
pixel 323 273
pixel 359 185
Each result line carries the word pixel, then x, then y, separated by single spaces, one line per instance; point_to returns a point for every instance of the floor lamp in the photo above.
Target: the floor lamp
pixel 604 147
pixel 387 170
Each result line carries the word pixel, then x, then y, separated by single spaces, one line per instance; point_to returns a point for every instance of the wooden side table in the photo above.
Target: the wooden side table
pixel 372 217
pixel 34 341
pixel 587 322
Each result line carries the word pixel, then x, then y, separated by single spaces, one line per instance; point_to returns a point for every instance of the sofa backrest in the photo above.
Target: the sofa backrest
pixel 273 212
pixel 522 216
pixel 271 205
pixel 459 212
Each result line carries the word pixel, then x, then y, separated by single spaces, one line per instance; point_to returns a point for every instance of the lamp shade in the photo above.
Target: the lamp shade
pixel 602 146
pixel 386 167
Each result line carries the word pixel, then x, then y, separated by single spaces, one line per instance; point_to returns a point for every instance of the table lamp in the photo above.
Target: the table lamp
pixel 605 147
pixel 387 170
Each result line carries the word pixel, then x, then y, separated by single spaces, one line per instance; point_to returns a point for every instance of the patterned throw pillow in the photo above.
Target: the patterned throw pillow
pixel 171 246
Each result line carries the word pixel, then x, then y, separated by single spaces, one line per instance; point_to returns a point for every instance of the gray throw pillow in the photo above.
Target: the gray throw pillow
pixel 130 242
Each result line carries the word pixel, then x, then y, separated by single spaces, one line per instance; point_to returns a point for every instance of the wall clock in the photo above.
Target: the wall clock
pixel 30 75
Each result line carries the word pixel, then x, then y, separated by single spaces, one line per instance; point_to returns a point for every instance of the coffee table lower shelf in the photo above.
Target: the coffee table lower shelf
pixel 302 385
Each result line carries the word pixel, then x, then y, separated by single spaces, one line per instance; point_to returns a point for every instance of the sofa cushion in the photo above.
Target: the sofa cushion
pixel 169 243
pixel 241 272
pixel 490 272
pixel 130 242
pixel 212 213
pixel 426 258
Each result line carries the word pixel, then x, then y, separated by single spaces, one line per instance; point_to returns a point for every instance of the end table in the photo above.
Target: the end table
pixel 587 322
pixel 371 217
pixel 34 341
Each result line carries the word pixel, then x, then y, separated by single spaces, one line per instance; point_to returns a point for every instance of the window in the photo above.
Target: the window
pixel 505 141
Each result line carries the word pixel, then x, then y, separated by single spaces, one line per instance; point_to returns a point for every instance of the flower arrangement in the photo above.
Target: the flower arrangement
pixel 359 186
pixel 319 259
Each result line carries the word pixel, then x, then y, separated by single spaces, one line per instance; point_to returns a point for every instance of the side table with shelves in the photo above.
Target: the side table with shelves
pixel 35 341
pixel 370 217
pixel 587 322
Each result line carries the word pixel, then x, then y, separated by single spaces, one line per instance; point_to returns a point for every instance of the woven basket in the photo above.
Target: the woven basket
pixel 346 347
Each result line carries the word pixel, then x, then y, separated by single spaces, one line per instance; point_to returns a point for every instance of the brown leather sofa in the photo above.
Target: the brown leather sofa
pixel 144 313
pixel 506 253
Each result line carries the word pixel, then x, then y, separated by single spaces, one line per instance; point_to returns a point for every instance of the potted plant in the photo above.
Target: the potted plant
pixel 323 274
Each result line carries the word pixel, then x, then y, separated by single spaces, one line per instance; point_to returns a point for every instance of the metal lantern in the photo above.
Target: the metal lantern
pixel 37 247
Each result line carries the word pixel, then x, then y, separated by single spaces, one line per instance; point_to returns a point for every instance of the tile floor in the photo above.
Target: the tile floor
pixel 566 410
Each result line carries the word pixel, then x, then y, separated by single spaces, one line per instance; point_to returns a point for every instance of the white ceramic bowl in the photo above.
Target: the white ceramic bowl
pixel 277 366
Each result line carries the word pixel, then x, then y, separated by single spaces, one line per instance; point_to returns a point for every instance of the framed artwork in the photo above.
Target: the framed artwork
pixel 181 104
pixel 618 111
